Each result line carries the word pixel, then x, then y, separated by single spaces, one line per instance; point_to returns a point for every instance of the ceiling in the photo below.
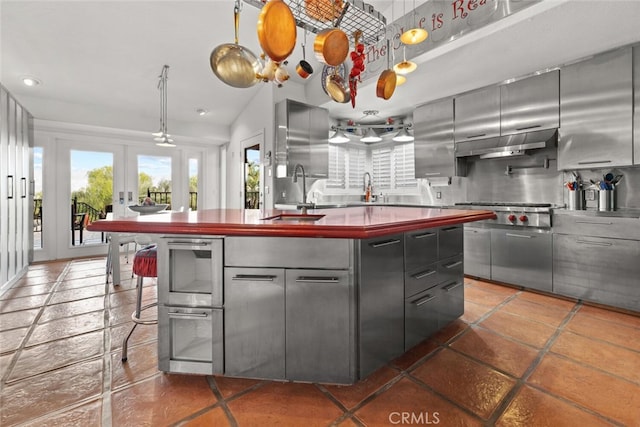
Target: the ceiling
pixel 99 61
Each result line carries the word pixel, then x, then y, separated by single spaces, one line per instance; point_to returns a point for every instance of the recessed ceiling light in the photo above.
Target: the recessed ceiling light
pixel 30 81
pixel 201 111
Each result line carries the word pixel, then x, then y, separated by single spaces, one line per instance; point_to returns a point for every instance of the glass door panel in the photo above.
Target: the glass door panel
pixel 154 179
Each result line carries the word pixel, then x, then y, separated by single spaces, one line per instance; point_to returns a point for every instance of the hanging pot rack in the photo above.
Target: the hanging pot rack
pixel 349 15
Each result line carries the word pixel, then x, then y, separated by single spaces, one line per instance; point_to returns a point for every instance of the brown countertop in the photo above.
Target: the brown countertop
pixel 349 223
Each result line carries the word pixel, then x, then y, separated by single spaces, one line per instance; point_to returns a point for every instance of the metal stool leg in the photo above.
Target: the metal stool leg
pixel 135 316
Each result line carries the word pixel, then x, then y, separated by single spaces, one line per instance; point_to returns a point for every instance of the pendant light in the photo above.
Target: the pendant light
pixel 416 34
pixel 162 138
pixel 339 137
pixel 400 80
pixel 405 67
pixel 370 136
pixel 403 136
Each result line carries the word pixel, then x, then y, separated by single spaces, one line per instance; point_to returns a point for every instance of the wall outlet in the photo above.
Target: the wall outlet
pixel 439 195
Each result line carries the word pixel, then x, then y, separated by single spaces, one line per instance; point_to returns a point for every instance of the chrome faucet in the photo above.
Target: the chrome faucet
pixel 304 204
pixel 364 180
pixel 368 189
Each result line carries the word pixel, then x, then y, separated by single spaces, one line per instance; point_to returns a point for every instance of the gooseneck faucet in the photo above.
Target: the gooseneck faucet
pixel 367 187
pixel 304 204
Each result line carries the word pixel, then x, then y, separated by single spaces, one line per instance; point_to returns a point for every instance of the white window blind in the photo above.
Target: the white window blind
pixel 381 165
pixel 337 165
pixel 404 170
pixel 356 158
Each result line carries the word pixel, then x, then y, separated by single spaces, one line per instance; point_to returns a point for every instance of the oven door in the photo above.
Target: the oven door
pixel 522 257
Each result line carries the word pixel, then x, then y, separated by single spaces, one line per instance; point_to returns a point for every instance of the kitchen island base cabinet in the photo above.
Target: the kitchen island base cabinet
pixel 254 319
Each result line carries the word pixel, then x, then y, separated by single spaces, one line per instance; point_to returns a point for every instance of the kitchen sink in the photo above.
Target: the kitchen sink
pixel 294 217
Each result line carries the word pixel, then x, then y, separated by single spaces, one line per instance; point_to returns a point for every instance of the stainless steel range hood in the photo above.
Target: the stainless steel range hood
pixel 507 145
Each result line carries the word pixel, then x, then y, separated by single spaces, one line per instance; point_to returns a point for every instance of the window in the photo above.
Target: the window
pixel 404 166
pixel 381 160
pixel 346 166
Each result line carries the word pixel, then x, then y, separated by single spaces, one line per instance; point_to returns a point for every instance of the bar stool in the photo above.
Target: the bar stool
pixel 144 265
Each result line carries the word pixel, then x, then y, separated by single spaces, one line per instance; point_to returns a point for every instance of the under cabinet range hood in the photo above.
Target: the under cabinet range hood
pixel 507 145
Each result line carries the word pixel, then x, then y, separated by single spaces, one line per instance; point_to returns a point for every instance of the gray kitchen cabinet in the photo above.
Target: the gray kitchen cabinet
pixel 421 316
pixel 511 259
pixel 434 145
pixel 596 112
pixel 319 301
pixel 451 303
pixel 254 322
pixel 381 316
pixel 477 251
pixel 636 105
pixel 477 114
pixel 530 104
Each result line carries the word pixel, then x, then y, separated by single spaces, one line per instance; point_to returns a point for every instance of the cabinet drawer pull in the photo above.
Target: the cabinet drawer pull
pixel 450 229
pixel 594 223
pixel 594 162
pixel 9 186
pixel 254 277
pixel 306 279
pixel 423 235
pixel 24 188
pixel 529 127
pixel 587 242
pixel 453 264
pixel 518 235
pixel 385 243
pixel 424 274
pixel 476 136
pixel 432 173
pixel 452 286
pixel 423 301
pixel 180 315
pixel 467 230
pixel 189 245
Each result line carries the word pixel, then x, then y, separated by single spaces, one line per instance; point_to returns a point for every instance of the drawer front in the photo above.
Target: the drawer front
pixel 477 252
pixel 421 317
pixel 451 305
pixel 421 248
pixel 597 226
pixel 450 241
pixel 420 279
pixel 601 270
pixel 287 252
pixel 451 269
pixel 190 340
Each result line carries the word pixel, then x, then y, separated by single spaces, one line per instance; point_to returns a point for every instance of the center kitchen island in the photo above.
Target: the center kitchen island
pixel 328 296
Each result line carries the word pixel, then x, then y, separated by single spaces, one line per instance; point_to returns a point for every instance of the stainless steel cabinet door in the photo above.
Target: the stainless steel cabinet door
pixel 477 114
pixel 450 241
pixel 477 252
pixel 319 314
pixel 597 269
pixel 636 105
pixel 522 257
pixel 530 104
pixel 420 248
pixel 381 301
pixel 596 102
pixel 451 302
pixel 254 322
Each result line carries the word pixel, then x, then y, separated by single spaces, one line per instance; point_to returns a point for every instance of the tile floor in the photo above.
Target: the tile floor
pixel 515 358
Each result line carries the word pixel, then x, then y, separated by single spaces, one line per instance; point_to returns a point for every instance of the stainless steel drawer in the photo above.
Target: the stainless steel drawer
pixel 421 316
pixel 420 248
pixel 451 269
pixel 597 226
pixel 420 279
pixel 450 241
pixel 451 301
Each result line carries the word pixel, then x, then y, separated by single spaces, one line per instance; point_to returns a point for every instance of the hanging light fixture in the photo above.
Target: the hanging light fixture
pixel 416 34
pixel 400 80
pixel 339 137
pixel 405 67
pixel 162 137
pixel 370 136
pixel 403 136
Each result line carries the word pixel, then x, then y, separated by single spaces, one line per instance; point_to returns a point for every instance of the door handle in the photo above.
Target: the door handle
pixel 529 127
pixel 24 188
pixel 594 223
pixel 594 162
pixel 587 242
pixel 9 186
pixel 424 274
pixel 450 229
pixel 304 279
pixel 177 314
pixel 476 136
pixel 385 243
pixel 518 235
pixel 452 286
pixel 424 300
pixel 423 235
pixel 254 277
pixel 453 264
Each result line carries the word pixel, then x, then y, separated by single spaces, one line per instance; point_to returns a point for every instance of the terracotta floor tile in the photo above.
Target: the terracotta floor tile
pixel 11 340
pixel 142 334
pixel 122 313
pixel 483 296
pixel 450 331
pixel 161 400
pixel 532 407
pixel 129 296
pixel 406 397
pixel 558 302
pixel 414 354
pixel 464 381
pixel 610 358
pixel 73 308
pixel 497 351
pixel 17 319
pixel 349 422
pixel 615 333
pixel 519 328
pixel 541 313
pixel 81 283
pixel 142 362
pixel 37 275
pixel 473 311
pixel 351 395
pixel 28 280
pixel 215 417
pixel 77 294
pixel 231 386
pixel 56 354
pixel 66 327
pixel 284 405
pixel 79 273
pixel 24 303
pixel 493 287
pixel 89 414
pixel 27 291
pixel 27 400
pixel 597 391
pixel 611 316
pixel 5 360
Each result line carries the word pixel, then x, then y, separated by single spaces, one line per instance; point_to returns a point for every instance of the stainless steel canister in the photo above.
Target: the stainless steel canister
pixel 576 200
pixel 607 200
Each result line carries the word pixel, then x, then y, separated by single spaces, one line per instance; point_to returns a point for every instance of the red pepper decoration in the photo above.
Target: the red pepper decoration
pixel 357 57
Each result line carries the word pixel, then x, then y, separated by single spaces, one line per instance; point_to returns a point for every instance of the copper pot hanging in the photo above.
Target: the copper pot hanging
pixel 277 30
pixel 387 81
pixel 331 46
